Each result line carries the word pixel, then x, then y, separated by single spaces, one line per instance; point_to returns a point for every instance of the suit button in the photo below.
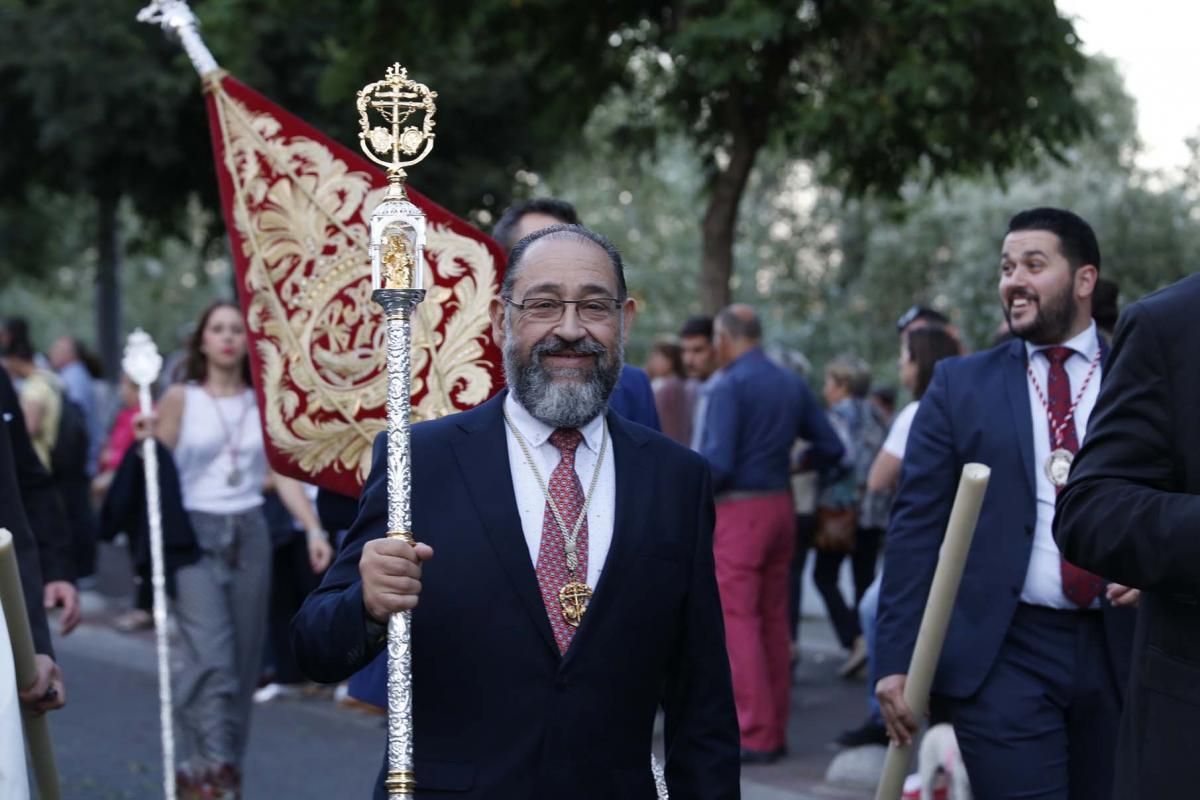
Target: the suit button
pixel 1029 529
pixel 561 682
pixel 1016 591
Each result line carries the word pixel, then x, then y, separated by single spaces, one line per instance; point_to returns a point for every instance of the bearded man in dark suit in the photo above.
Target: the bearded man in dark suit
pixel 536 498
pixel 1132 511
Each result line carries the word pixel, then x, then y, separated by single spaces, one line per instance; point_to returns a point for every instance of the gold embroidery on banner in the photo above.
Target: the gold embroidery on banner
pixel 323 361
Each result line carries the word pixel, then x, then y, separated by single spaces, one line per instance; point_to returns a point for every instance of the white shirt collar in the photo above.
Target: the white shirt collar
pixel 1086 343
pixel 537 432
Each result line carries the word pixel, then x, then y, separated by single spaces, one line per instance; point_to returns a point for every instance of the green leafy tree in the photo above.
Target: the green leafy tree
pixel 940 245
pixel 96 112
pixel 830 273
pixel 874 92
pixel 868 95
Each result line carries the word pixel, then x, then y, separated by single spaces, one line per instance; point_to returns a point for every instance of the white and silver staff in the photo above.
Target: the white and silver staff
pixel 142 364
pixel 960 532
pixel 405 108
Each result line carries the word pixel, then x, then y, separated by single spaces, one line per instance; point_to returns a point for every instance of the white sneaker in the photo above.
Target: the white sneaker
pixel 274 691
pixel 856 660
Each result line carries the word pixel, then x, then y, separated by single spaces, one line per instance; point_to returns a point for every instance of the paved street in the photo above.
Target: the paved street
pixel 107 740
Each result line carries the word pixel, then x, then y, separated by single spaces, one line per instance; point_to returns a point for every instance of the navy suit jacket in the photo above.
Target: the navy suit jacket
pixel 976 409
pixel 13 517
pixel 498 713
pixel 633 398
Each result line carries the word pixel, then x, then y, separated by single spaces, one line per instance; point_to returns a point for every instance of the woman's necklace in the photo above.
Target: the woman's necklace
pixel 234 476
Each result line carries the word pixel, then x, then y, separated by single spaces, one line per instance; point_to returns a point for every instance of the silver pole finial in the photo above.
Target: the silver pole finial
pixel 180 23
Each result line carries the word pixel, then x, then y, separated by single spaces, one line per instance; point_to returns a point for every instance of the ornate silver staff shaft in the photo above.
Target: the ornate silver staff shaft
pixel 397 274
pixel 142 364
pixel 398 305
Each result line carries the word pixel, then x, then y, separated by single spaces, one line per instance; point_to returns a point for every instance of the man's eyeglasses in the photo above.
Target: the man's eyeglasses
pixel 551 309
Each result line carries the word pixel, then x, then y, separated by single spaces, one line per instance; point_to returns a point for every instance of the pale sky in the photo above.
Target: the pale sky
pixel 1154 44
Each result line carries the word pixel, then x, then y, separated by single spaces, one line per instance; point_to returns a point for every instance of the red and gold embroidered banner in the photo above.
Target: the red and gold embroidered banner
pixel 296 205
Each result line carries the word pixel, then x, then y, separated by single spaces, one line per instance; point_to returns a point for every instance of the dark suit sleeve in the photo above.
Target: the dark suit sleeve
pixel 929 479
pixel 633 398
pixel 648 409
pixel 701 728
pixel 12 517
pixel 825 449
pixel 719 445
pixel 1124 514
pixel 330 634
pixel 43 508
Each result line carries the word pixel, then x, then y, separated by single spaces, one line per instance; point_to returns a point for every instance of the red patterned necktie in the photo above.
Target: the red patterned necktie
pixel 567 492
pixel 1080 586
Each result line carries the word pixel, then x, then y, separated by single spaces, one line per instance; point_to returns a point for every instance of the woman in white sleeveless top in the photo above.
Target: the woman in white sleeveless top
pixel 212 426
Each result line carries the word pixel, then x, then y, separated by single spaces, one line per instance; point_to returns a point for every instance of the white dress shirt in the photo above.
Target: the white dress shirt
pixel 531 502
pixel 700 411
pixel 1043 579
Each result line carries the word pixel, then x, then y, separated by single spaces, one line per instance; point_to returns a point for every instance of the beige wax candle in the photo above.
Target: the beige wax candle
pixel 37 731
pixel 953 558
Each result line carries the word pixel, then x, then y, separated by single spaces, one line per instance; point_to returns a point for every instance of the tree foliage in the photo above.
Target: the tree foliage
pixel 830 273
pixel 873 91
pixel 815 143
pixel 92 106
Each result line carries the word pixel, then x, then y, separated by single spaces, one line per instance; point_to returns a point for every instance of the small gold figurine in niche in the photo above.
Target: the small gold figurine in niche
pixel 398 263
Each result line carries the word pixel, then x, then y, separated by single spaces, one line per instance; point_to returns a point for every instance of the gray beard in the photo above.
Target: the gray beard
pixel 562 405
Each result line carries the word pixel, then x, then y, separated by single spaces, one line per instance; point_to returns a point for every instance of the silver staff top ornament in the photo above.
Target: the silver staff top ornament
pixel 178 21
pixel 141 363
pixel 397 225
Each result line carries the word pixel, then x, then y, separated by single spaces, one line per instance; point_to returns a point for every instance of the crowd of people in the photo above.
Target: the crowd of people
pixel 227 601
pixel 646 532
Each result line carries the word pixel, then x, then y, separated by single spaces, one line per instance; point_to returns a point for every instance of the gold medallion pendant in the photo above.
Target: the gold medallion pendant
pixel 574 598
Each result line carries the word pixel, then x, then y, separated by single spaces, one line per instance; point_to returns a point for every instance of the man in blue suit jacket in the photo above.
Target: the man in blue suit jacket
pixel 633 398
pixel 1037 654
pixel 510 700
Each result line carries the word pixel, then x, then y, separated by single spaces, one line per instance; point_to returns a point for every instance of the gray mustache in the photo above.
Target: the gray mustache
pixel 554 346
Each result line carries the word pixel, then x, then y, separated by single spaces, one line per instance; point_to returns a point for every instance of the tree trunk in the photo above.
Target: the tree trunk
pixel 720 219
pixel 108 285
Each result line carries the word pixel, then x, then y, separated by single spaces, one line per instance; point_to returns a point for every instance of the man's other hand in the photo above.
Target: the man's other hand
pixel 897 716
pixel 47 692
pixel 64 595
pixel 1122 596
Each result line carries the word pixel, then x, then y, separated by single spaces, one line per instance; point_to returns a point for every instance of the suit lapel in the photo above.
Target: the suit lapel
pixel 632 469
pixel 483 459
pixel 1016 382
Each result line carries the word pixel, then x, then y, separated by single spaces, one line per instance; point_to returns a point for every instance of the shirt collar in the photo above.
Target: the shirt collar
pixel 753 354
pixel 1087 344
pixel 536 432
